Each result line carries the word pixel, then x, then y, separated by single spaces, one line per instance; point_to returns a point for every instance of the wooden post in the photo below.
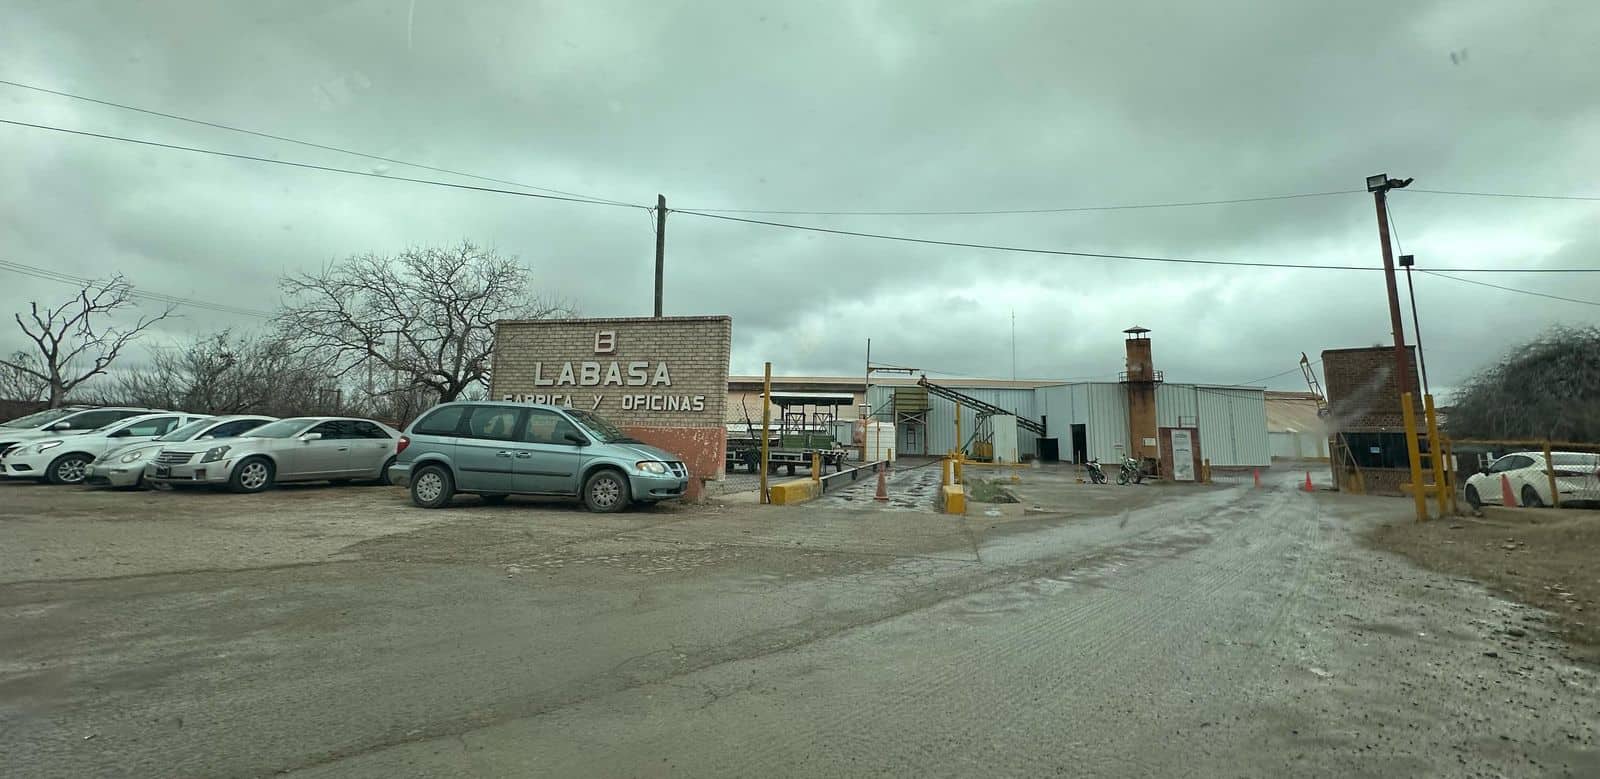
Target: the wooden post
pixel 766 430
pixel 1414 449
pixel 661 247
pixel 1550 471
pixel 1435 454
pixel 816 466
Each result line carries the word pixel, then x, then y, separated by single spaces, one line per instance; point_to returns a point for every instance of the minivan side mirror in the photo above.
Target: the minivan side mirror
pixel 309 437
pixel 60 426
pixel 576 439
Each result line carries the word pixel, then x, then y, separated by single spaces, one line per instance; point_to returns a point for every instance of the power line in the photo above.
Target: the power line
pixel 309 166
pixel 1099 255
pixel 156 297
pixel 1510 289
pixel 1504 194
pixel 308 144
pixel 1065 210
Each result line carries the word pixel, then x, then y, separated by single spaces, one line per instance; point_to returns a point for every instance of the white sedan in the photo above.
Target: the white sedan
pixel 1577 479
pixel 65 460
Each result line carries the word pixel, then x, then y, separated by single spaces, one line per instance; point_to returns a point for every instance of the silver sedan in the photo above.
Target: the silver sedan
pixel 335 449
pixel 125 466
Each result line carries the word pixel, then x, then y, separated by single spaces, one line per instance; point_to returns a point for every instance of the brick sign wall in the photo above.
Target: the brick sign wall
pixel 663 380
pixel 1363 393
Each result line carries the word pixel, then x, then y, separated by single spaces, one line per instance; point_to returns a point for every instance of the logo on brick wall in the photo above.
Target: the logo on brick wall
pixel 605 342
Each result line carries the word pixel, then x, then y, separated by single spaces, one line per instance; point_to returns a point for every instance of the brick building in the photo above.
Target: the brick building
pixel 1366 426
pixel 663 380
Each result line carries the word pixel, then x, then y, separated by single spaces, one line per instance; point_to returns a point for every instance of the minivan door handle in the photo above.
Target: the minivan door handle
pixel 502 453
pixel 524 455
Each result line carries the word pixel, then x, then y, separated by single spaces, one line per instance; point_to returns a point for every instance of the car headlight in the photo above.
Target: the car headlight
pixel 651 466
pixel 132 456
pixel 46 446
pixel 214 454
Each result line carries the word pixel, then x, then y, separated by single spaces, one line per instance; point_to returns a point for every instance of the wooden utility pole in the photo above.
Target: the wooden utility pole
pixel 1396 321
pixel 661 246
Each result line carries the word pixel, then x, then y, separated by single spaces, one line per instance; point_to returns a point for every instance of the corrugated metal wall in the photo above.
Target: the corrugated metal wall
pixel 941 432
pixel 1233 426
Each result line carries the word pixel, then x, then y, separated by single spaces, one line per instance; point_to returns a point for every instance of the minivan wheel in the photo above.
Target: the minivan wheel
pixel 432 487
pixel 383 475
pixel 68 469
pixel 606 491
pixel 253 475
pixel 1472 497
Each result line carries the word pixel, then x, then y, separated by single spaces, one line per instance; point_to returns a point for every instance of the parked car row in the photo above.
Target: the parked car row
pixel 1576 474
pixel 489 449
pixel 131 447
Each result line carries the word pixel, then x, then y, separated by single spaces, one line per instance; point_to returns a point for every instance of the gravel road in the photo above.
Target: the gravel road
pixel 1222 631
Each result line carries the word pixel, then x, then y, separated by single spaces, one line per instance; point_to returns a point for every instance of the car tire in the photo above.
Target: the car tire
pixel 70 468
pixel 253 475
pixel 432 487
pixel 383 475
pixel 1472 497
pixel 1530 498
pixel 494 499
pixel 606 491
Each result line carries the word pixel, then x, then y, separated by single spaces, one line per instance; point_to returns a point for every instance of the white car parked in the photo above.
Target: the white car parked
pixel 1577 479
pixel 124 466
pixel 65 459
pixel 57 422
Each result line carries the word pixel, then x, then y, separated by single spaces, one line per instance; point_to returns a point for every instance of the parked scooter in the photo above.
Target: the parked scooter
pixel 1130 472
pixel 1096 476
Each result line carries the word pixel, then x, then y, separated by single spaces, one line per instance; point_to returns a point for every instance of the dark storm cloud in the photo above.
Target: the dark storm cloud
pixel 862 105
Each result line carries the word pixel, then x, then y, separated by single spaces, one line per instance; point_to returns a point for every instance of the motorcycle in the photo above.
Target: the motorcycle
pixel 1096 476
pixel 1130 472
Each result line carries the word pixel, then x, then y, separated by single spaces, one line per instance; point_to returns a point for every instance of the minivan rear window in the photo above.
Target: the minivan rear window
pixel 445 420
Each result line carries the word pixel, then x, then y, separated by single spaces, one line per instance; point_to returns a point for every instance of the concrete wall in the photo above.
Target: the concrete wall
pixel 663 380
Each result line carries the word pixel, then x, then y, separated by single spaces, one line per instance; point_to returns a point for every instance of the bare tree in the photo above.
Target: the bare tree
pixel 225 373
pixel 21 378
pixel 72 340
pixel 1547 388
pixel 425 318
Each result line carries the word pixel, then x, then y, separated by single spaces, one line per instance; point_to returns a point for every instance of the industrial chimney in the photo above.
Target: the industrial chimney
pixel 1141 379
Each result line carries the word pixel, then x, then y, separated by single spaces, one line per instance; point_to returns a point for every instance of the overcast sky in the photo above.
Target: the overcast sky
pixel 917 105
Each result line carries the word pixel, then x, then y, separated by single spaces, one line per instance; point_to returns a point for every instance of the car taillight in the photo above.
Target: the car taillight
pixel 400 445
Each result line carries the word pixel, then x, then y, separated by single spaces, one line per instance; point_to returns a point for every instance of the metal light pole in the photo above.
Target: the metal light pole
pixel 1406 261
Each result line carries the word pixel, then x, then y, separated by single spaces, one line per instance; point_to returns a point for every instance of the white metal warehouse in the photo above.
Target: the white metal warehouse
pixel 1090 419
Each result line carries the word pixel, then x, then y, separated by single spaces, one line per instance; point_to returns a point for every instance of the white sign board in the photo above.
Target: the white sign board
pixel 1182 456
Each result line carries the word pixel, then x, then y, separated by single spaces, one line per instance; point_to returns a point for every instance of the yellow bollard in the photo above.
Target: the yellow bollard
pixel 944 472
pixel 1418 493
pixel 1435 455
pixel 816 466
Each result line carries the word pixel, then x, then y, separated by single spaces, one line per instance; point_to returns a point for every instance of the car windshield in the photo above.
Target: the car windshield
pixel 283 428
pixel 599 427
pixel 41 418
pixel 187 431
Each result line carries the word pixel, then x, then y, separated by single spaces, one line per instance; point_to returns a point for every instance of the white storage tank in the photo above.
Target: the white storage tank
pixel 879 441
pixel 1005 437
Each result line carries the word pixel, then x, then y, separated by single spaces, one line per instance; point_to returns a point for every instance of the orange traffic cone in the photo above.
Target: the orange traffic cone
pixel 1258 478
pixel 883 486
pixel 1308 487
pixel 1507 497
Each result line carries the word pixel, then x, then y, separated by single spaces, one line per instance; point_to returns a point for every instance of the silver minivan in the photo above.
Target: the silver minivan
pixel 495 449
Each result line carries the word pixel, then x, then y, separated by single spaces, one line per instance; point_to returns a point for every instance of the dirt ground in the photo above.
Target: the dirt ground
pixel 1542 557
